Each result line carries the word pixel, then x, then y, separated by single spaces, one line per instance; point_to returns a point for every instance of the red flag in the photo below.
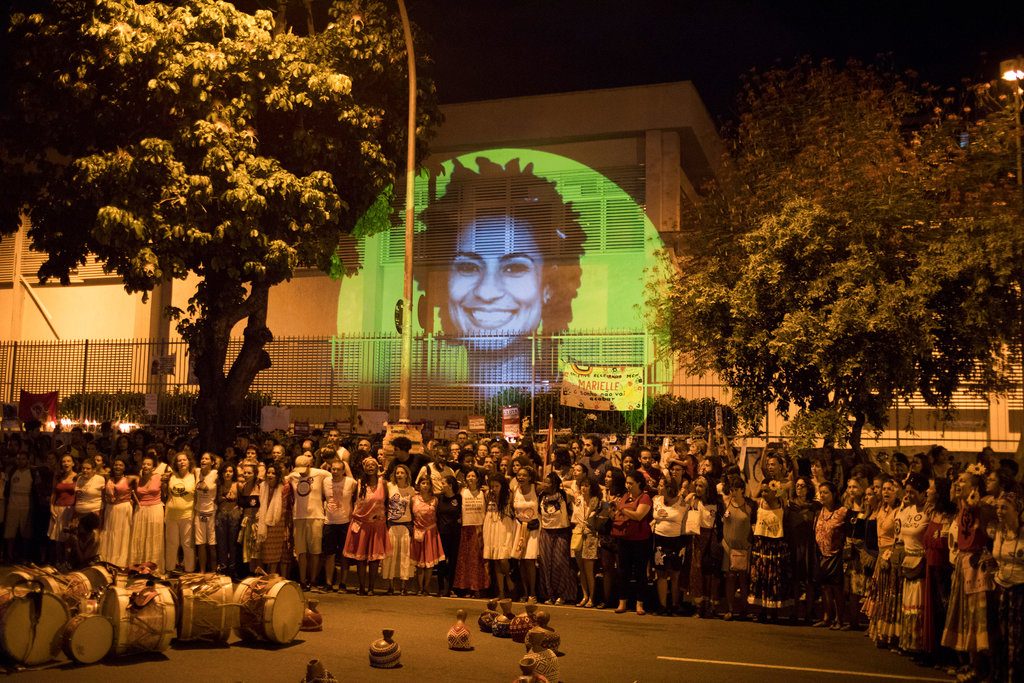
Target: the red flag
pixel 42 407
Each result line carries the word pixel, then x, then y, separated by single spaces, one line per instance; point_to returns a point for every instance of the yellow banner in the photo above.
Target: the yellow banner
pixel 603 387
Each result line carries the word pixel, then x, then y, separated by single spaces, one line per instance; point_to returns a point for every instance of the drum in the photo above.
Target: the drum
pixel 31 622
pixel 206 607
pixel 86 584
pixel 270 609
pixel 142 616
pixel 47 577
pixel 87 638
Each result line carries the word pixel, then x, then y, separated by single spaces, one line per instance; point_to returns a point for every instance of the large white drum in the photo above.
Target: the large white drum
pixel 142 615
pixel 31 623
pixel 270 609
pixel 206 607
pixel 47 577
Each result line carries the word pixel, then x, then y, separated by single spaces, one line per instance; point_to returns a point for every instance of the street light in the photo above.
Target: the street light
pixel 405 367
pixel 1012 70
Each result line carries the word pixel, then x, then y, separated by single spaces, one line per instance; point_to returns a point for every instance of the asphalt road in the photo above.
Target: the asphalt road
pixel 599 646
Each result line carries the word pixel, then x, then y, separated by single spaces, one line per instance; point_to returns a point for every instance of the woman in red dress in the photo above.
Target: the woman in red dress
pixel 426 550
pixel 367 542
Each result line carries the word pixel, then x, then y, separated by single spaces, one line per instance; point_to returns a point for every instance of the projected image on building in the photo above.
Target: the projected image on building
pixel 515 251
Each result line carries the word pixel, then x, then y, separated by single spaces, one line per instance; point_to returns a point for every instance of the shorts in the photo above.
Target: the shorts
pixel 334 538
pixel 205 528
pixel 18 520
pixel 309 534
pixel 670 552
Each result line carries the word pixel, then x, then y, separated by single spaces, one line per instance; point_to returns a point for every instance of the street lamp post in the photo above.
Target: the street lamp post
pixel 1012 70
pixel 405 368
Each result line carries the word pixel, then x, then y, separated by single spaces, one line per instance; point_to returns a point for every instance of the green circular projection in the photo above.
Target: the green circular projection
pixel 619 251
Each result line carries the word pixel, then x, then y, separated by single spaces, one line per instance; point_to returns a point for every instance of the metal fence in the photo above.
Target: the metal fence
pixel 331 378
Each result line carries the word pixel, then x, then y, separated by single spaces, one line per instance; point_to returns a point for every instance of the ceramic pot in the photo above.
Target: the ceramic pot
pixel 522 623
pixel 312 620
pixel 547 664
pixel 486 617
pixel 385 653
pixel 458 634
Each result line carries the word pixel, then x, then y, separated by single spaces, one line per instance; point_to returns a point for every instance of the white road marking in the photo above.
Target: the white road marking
pixel 838 672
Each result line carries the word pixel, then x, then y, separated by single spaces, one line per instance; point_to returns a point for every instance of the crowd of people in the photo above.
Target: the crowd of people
pixel 922 552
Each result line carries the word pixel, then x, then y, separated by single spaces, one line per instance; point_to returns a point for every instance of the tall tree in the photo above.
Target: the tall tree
pixel 195 138
pixel 810 282
pixel 974 265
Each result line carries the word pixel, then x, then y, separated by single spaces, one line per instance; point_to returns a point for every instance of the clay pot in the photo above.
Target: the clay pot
pixel 528 666
pixel 522 623
pixel 551 640
pixel 547 664
pixel 500 627
pixel 315 673
pixel 385 653
pixel 458 634
pixel 312 620
pixel 486 617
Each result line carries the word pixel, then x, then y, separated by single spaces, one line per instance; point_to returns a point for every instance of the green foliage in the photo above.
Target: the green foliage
pixel 666 414
pixel 195 139
pixel 174 407
pixel 192 138
pixel 837 249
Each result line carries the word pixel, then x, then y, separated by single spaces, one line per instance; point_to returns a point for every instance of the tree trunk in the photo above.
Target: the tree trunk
pixel 856 431
pixel 221 400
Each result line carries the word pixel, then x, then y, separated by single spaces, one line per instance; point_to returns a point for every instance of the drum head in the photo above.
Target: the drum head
pixel 90 639
pixel 98 577
pixel 110 603
pixel 29 645
pixel 284 621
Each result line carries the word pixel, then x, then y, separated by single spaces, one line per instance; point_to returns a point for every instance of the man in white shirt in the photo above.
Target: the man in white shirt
pixel 339 513
pixel 312 487
pixel 334 443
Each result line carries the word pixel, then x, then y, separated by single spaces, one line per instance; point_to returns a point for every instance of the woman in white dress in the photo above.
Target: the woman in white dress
pixel 116 535
pixel 397 564
pixel 527 542
pixel 499 530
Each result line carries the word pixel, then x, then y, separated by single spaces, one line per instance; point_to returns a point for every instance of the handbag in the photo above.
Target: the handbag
pixel 739 560
pixel 576 542
pixel 598 521
pixel 691 526
pixel 533 524
pixel 913 567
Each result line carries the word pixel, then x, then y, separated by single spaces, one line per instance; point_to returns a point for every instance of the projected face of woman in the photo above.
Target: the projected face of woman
pixel 495 284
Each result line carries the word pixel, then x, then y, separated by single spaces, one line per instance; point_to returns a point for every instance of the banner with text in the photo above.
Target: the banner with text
pixel 603 387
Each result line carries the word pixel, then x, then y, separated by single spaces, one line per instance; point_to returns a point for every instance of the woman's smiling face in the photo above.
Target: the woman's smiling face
pixel 495 285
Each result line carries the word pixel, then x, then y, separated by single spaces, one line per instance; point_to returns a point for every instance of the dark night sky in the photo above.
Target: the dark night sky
pixel 486 49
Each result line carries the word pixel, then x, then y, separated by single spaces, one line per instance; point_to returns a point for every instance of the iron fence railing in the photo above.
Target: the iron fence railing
pixel 330 378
